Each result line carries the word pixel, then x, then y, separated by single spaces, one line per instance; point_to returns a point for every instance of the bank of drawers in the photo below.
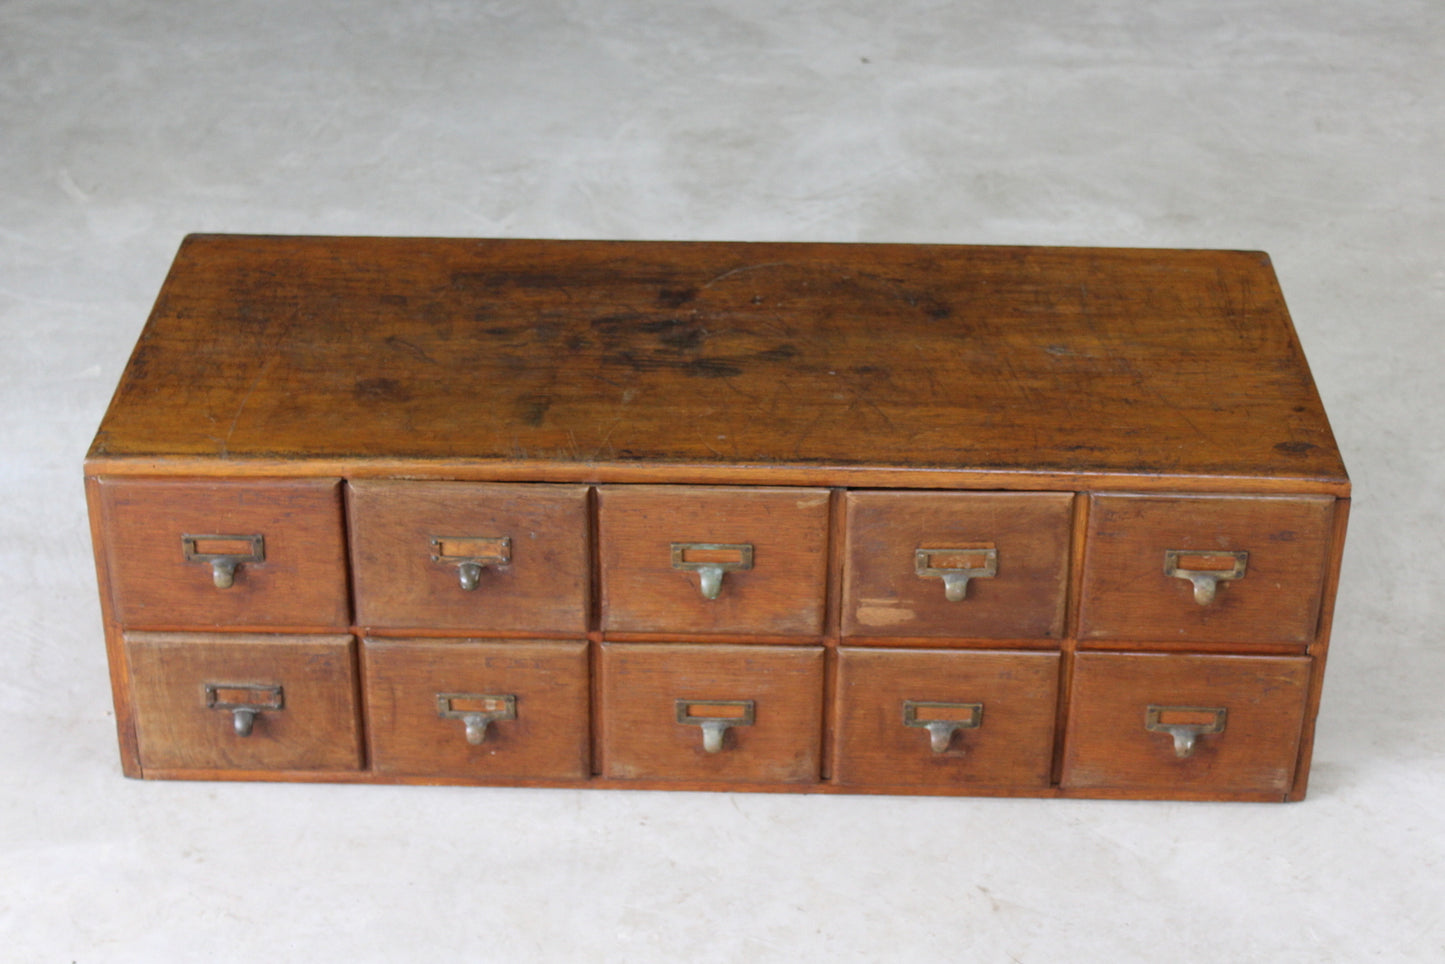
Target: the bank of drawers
pixel 719 636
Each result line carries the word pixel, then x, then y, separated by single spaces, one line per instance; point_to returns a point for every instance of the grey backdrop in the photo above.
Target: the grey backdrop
pixel 1309 129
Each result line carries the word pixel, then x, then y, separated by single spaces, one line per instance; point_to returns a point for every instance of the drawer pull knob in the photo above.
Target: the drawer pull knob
pixel 224 554
pixel 725 714
pixel 243 720
pixel 1185 724
pixel 710 560
pixel 942 720
pixel 966 564
pixel 469 574
pixel 244 701
pixel 477 711
pixel 1204 573
pixel 471 555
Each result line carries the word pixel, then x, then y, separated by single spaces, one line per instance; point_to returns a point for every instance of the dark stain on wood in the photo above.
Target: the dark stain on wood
pixel 381 390
pixel 676 297
pixel 677 334
pixel 711 368
pixel 976 359
pixel 532 409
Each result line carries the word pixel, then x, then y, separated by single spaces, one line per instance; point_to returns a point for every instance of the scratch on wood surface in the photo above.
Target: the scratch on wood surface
pixel 804 432
pixel 266 366
pixel 605 449
pixel 402 344
pixel 747 267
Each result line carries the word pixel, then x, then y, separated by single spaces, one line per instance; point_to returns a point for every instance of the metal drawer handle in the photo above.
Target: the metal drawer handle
pixel 942 720
pixel 224 554
pixel 471 554
pixel 727 713
pixel 981 563
pixel 245 701
pixel 1185 724
pixel 1205 575
pixel 718 558
pixel 477 711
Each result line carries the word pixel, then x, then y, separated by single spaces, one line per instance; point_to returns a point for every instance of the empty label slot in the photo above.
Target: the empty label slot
pixel 1207 562
pixel 1188 717
pixel 723 711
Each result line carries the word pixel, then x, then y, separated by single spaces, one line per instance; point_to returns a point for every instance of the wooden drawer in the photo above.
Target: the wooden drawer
pixel 212 701
pixel 697 559
pixel 459 555
pixel 513 709
pixel 1168 723
pixel 275 547
pixel 956 564
pixel 917 718
pixel 1265 558
pixel 716 713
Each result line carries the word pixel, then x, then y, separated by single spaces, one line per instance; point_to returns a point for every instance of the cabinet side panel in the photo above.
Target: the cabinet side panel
pixel 1320 649
pixel 114 648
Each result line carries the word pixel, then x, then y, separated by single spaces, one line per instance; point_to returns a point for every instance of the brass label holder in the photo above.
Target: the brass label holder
pixel 471 554
pixel 1201 720
pixel 956 578
pixel 969 716
pixel 245 701
pixel 477 711
pixel 224 564
pixel 710 571
pixel 714 726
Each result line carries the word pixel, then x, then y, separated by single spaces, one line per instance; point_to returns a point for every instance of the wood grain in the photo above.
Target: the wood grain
pixel 1126 594
pixel 301 583
pixel 542 588
pixel 1012 747
pixel 642 739
pixel 1107 746
pixel 884 595
pixel 577 357
pixel 548 739
pixel 318 727
pixel 783 593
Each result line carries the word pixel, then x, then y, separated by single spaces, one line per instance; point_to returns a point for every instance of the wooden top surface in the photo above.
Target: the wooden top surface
pixel 595 361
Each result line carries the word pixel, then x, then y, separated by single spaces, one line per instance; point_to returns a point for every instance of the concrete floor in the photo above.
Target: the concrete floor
pixel 1312 130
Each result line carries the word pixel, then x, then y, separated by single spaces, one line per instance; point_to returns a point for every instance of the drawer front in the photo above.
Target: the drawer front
pixel 513 709
pixel 695 559
pixel 1166 723
pixel 221 553
pixel 915 718
pixel 244 702
pixel 720 713
pixel 1205 568
pixel 473 556
pixel 962 564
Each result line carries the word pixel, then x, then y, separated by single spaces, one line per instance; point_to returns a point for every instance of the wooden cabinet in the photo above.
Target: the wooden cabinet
pixel 826 518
